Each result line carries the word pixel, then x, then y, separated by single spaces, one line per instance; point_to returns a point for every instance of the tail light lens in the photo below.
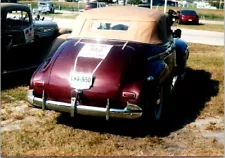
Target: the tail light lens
pixel 129 95
pixel 38 83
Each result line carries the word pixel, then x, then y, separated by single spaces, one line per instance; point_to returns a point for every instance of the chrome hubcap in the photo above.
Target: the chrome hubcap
pixel 174 80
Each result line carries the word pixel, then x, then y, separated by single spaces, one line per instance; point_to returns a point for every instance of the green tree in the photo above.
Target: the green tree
pixel 217 3
pixel 134 1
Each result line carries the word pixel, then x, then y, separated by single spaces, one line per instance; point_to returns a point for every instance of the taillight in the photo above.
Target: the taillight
pixel 129 95
pixel 39 83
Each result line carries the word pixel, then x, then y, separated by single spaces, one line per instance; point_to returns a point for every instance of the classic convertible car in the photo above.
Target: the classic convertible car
pixel 119 62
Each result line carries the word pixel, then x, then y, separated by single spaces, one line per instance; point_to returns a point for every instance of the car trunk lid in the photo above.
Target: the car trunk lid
pixel 105 62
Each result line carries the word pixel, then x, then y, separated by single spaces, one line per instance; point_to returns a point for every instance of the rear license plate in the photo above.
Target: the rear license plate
pixel 81 80
pixel 189 19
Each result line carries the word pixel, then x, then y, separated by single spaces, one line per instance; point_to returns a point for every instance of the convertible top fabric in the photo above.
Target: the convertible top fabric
pixel 145 25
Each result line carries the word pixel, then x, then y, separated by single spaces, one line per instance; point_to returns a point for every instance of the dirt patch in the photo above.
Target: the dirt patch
pixel 14 115
pixel 211 128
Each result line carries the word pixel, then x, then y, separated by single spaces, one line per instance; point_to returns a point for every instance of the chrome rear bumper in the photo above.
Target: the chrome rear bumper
pixel 131 111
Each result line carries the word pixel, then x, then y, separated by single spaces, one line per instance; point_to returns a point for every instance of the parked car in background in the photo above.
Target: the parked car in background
pixel 188 16
pixel 45 28
pixel 17 26
pixel 144 5
pixel 122 66
pixel 92 5
pixel 17 31
pixel 159 3
pixel 44 7
pixel 21 36
pixel 121 2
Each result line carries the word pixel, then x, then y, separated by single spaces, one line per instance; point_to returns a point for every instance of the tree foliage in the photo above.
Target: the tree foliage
pixel 9 1
pixel 217 3
pixel 134 1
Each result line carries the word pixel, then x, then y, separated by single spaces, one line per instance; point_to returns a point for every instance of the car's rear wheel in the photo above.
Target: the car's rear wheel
pixel 154 102
pixel 158 107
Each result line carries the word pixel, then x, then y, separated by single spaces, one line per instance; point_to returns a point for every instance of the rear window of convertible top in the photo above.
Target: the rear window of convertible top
pixel 117 26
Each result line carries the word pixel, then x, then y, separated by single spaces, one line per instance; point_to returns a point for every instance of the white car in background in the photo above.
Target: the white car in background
pixel 121 1
pixel 44 7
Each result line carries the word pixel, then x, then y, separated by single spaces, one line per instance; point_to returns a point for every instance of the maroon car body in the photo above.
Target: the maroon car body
pixel 188 16
pixel 109 66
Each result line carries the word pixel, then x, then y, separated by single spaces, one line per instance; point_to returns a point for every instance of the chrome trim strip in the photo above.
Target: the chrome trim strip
pixel 43 100
pixel 45 34
pixel 167 51
pixel 107 110
pixel 125 44
pixel 131 111
pixel 77 42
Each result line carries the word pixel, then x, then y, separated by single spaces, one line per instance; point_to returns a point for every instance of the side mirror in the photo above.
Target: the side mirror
pixel 177 33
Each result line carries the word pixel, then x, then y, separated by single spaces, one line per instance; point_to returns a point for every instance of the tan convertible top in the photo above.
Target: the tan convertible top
pixel 145 25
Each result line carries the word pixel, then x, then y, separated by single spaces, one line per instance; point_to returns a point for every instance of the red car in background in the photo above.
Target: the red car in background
pixel 188 16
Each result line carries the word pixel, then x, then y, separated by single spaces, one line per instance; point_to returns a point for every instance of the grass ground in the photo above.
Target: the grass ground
pixel 206 27
pixel 32 132
pixel 207 14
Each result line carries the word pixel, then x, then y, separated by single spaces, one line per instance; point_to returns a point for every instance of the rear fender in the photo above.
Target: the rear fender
pixel 158 72
pixel 134 88
pixel 40 78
